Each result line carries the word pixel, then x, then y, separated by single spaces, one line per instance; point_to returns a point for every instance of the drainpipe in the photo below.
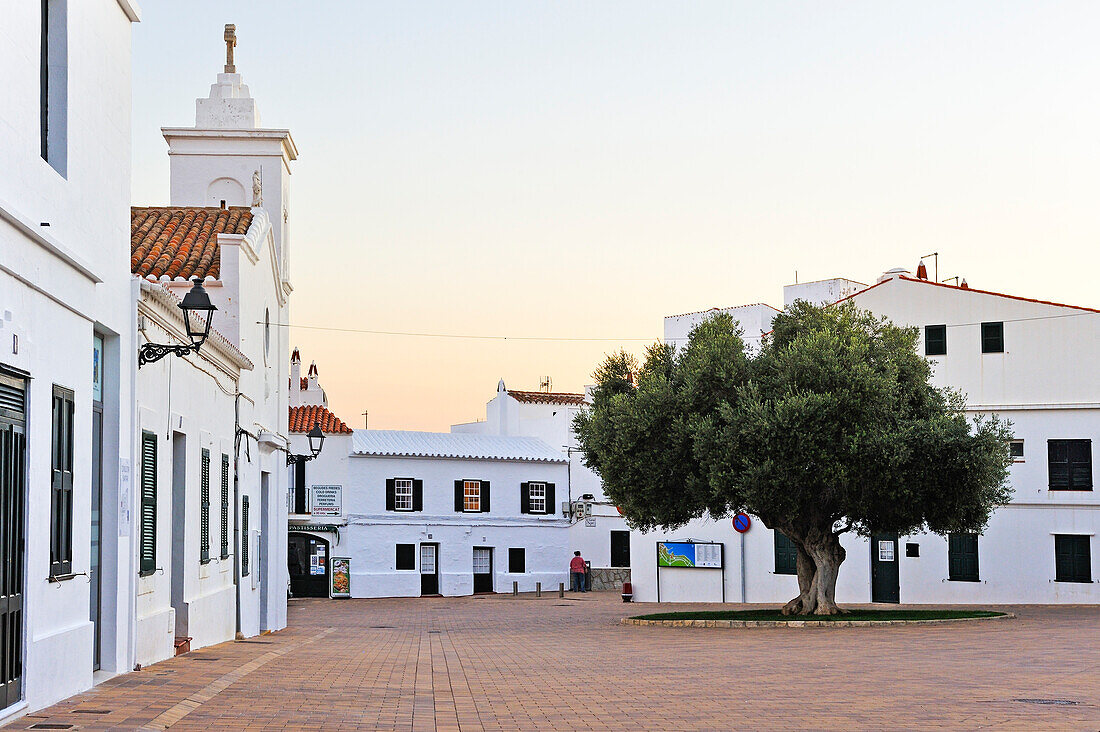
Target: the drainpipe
pixel 236 509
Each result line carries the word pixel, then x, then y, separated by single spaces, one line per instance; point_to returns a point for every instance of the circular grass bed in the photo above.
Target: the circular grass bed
pixel 775 618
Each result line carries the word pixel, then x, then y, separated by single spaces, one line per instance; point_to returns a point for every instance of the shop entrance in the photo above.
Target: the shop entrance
pixel 307 561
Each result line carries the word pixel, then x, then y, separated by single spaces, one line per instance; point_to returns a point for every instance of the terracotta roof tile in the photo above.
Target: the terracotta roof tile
pixel 182 241
pixel 542 397
pixel 303 418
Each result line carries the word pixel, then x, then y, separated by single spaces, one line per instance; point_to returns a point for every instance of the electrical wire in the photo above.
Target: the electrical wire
pixel 450 335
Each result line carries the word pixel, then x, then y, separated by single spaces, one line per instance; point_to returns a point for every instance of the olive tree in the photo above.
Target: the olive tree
pixel 831 425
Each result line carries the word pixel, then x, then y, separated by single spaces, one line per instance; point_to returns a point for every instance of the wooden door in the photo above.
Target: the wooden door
pixel 885 577
pixel 483 569
pixel 13 450
pixel 429 569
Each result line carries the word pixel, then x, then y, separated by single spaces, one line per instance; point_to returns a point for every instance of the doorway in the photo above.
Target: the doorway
pixel 885 578
pixel 263 556
pixel 429 569
pixel 483 569
pixel 307 562
pixel 13 450
pixel 179 534
pixel 620 548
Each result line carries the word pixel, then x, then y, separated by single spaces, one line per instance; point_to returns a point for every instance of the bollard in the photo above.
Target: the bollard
pixel 515 588
pixel 561 589
pixel 538 589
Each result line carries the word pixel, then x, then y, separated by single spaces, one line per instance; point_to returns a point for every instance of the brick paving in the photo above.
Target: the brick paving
pixel 499 662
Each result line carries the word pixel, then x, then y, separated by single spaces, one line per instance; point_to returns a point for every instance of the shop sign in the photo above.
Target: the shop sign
pixel 325 500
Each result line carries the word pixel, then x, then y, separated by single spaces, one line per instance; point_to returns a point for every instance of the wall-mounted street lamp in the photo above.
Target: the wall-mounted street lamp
pixel 316 441
pixel 195 303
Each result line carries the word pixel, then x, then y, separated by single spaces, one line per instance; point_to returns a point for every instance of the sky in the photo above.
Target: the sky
pixel 579 170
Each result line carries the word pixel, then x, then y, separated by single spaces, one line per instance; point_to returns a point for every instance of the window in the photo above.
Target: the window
pixel 993 337
pixel 61 484
pixel 225 507
pixel 786 554
pixel 204 508
pixel 1016 450
pixel 1072 562
pixel 244 536
pixel 471 495
pixel 620 548
pixel 406 556
pixel 537 496
pixel 483 560
pixel 962 557
pixel 935 340
pixel 300 503
pixel 148 551
pixel 1069 465
pixel 517 561
pixel 53 84
pixel 402 495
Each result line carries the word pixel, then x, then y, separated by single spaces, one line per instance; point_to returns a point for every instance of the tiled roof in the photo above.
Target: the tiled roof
pixel 542 397
pixel 399 443
pixel 182 241
pixel 731 307
pixel 969 289
pixel 303 418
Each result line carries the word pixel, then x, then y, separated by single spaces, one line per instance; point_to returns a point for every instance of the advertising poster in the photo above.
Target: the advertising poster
pixel 341 577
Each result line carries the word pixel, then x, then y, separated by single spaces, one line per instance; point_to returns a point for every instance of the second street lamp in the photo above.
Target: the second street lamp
pixel 316 441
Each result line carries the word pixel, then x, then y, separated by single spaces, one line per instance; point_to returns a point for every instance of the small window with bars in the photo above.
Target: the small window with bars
pixel 471 495
pixel 204 508
pixel 402 494
pixel 536 494
pixel 993 337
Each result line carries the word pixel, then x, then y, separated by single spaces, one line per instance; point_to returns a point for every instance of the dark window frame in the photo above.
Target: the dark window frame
pixel 411 558
pixel 61 482
pixel 935 340
pixel 993 337
pixel 1070 474
pixel 204 508
pixel 224 554
pixel 1065 544
pixel 786 553
pixel 613 537
pixel 147 561
pixel 960 546
pixel 244 536
pixel 513 553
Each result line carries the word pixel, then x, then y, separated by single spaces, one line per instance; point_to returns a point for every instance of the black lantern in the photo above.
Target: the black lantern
pixel 316 441
pixel 197 311
pixel 197 302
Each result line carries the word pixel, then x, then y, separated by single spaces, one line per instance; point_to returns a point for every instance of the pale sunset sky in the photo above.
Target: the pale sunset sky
pixel 580 170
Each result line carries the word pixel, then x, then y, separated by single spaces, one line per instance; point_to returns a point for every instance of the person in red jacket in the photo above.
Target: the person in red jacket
pixel 576 572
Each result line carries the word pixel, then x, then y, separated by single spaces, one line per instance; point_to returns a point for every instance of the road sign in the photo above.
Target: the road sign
pixel 741 523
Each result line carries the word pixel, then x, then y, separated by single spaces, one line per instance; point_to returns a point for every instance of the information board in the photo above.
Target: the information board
pixel 325 500
pixel 695 555
pixel 341 577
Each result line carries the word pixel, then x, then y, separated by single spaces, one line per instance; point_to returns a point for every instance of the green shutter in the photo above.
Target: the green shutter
pixel 148 519
pixel 204 508
pixel 1072 562
pixel 786 554
pixel 244 536
pixel 962 557
pixel 225 507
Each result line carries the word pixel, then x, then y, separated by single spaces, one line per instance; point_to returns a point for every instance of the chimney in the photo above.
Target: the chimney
pixel 963 284
pixel 295 379
pixel 922 271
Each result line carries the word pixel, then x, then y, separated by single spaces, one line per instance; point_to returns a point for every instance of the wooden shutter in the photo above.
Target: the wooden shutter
pixel 204 508
pixel 1080 464
pixel 458 495
pixel 418 495
pixel 517 561
pixel 525 498
pixel 225 507
pixel 1058 464
pixel 391 494
pixel 786 554
pixel 962 557
pixel 148 518
pixel 1072 562
pixel 244 536
pixel 61 493
pixel 485 496
pixel 550 499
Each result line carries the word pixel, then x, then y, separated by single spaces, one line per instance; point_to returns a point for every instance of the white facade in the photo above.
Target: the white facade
pixel 229 400
pixel 549 417
pixel 1043 380
pixel 64 282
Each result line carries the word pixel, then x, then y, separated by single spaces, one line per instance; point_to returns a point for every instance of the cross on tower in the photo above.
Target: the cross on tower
pixel 230 43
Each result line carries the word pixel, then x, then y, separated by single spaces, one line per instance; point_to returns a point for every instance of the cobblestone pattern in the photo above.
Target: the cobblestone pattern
pixel 508 663
pixel 800 623
pixel 609 579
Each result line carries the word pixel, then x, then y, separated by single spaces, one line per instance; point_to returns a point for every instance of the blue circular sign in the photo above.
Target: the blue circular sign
pixel 741 523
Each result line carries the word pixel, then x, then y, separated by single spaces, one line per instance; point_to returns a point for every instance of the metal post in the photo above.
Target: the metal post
pixel 561 589
pixel 743 592
pixel 515 588
pixel 538 589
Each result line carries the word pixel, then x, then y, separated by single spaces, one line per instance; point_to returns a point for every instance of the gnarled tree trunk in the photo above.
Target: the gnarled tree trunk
pixel 819 557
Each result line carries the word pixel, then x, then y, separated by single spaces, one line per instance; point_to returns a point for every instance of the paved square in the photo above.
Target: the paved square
pixel 499 662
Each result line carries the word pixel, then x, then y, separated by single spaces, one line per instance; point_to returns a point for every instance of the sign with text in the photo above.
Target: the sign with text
pixel 695 555
pixel 325 500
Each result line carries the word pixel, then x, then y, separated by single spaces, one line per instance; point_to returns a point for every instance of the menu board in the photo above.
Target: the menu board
pixel 694 555
pixel 341 577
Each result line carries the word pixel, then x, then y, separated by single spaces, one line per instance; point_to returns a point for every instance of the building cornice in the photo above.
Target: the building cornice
pixel 229 133
pixel 47 242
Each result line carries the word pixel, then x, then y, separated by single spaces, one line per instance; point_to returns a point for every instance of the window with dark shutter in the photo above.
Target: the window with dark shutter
pixel 204 508
pixel 61 493
pixel 786 554
pixel 485 496
pixel 525 498
pixel 993 337
pixel 1072 561
pixel 1069 465
pixel 148 518
pixel 244 536
pixel 300 499
pixel 391 501
pixel 225 508
pixel 418 495
pixel 517 560
pixel 620 548
pixel 935 340
pixel 406 556
pixel 962 557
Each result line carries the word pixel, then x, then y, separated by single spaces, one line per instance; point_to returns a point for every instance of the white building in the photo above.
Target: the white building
pixel 66 349
pixel 211 427
pixel 1029 361
pixel 597 529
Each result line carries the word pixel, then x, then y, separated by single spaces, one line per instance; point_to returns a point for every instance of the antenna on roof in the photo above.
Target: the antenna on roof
pixel 936 264
pixel 365 413
pixel 545 384
pixel 949 279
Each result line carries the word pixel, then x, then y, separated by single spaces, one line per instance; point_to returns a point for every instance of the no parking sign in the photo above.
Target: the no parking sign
pixel 741 523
